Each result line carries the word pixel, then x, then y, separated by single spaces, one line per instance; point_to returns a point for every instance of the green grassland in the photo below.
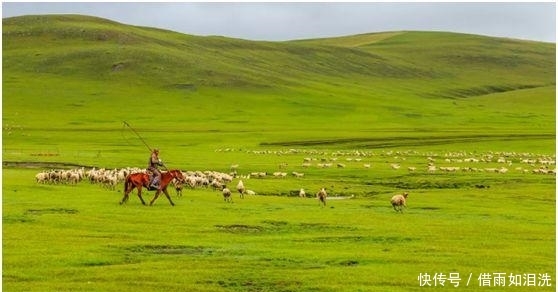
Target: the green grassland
pixel 388 98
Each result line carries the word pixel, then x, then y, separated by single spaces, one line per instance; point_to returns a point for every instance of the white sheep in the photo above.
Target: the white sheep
pixel 74 178
pixel 240 188
pixel 217 185
pixel 431 169
pixel 297 174
pixel 280 174
pixel 250 193
pixel 322 195
pixel 41 177
pixel 399 202
pixel 302 193
pixel 227 195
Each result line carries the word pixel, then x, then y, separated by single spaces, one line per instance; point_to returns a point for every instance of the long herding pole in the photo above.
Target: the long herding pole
pixel 133 130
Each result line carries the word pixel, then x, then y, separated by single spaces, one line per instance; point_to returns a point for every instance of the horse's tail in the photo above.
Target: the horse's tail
pixel 126 183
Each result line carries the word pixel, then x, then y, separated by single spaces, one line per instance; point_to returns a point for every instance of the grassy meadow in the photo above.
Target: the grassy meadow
pixel 360 103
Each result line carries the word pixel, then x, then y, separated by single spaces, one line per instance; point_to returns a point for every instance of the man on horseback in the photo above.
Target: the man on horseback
pixel 152 166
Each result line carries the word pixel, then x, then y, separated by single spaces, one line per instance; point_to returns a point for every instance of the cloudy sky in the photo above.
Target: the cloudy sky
pixel 278 21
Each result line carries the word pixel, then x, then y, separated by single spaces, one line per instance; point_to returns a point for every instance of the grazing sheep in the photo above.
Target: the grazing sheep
pixel 250 193
pixel 431 169
pixel 178 186
pixel 297 174
pixel 240 188
pixel 41 177
pixel 399 202
pixel 73 178
pixel 110 181
pixel 258 174
pixel 217 185
pixel 302 193
pixel 280 174
pixel 227 195
pixel 322 195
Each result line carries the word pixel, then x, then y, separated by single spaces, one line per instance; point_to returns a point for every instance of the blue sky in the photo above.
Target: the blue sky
pixel 278 21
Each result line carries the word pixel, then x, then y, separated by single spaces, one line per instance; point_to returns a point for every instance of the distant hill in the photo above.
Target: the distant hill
pixel 390 79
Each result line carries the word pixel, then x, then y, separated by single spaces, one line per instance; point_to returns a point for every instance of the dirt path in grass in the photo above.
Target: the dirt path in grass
pixel 37 164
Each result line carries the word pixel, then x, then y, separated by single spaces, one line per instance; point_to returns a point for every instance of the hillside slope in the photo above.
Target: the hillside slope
pixel 394 80
pixel 102 47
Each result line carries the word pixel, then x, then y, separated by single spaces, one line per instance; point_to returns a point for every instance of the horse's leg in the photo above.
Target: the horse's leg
pixel 124 199
pixel 168 196
pixel 139 195
pixel 157 193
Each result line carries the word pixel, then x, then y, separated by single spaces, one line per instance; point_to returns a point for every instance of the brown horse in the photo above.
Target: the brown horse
pixel 140 180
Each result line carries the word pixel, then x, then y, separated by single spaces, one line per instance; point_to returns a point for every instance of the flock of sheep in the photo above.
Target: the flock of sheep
pixel 433 163
pixel 110 178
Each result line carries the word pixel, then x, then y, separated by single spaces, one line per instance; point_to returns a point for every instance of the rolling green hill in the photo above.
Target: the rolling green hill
pixel 78 73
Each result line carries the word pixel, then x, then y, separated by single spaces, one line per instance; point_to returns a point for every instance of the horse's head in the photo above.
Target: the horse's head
pixel 177 174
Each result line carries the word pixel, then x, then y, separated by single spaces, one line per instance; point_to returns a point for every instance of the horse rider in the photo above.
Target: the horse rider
pixel 152 166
